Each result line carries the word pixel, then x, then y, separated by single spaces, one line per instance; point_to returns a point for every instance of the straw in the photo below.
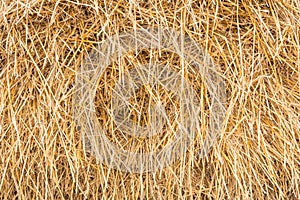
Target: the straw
pixel 254 46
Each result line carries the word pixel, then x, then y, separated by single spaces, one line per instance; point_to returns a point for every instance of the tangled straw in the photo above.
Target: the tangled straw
pixel 187 120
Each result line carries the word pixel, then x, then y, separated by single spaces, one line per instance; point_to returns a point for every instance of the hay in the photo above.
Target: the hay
pixel 255 45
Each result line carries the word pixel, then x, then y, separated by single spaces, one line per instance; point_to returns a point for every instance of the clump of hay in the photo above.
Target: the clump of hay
pixel 43 44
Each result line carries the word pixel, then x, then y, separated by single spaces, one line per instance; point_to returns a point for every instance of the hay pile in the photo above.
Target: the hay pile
pixel 256 45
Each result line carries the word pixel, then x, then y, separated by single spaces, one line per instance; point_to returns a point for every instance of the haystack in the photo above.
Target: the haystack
pixel 255 46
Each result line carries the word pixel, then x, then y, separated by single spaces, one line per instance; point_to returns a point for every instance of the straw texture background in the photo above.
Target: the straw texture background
pixel 256 45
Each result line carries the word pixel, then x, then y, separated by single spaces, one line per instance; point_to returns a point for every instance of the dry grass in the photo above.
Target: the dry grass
pixel 255 43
